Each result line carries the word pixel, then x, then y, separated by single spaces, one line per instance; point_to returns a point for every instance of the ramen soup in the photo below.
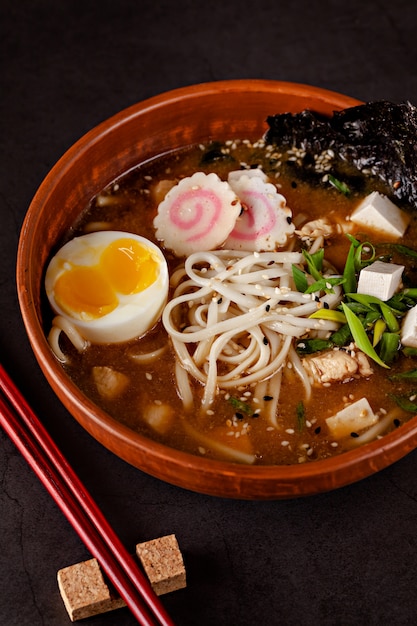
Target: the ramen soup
pixel 220 301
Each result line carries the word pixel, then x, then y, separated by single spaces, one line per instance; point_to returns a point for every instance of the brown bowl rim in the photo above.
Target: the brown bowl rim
pixel 237 481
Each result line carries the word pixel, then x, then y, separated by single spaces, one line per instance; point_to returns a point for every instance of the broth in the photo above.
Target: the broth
pixel 234 422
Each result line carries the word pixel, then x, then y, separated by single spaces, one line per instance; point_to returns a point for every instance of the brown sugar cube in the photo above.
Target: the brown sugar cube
pixel 162 561
pixel 85 592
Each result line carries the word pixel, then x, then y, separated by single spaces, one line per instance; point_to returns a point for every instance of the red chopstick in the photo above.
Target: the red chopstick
pixel 37 447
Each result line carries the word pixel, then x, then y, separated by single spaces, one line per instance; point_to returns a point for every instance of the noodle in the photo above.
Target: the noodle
pixel 148 357
pixel 60 324
pixel 233 316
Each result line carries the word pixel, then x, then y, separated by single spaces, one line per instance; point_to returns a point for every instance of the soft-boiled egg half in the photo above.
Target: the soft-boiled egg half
pixel 111 285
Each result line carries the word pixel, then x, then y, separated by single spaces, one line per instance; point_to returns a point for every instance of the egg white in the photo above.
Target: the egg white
pixel 135 313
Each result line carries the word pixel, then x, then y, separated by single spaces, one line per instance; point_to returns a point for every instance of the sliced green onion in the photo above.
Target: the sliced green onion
pixel 359 261
pixel 360 309
pixel 360 337
pixel 329 314
pixel 411 292
pixel 371 318
pixel 390 343
pixel 379 329
pixel 405 403
pixel 300 279
pixel 407 375
pixel 339 185
pixel 349 273
pixel 342 336
pixel 390 318
pixel 404 250
pixel 314 262
pixel 364 299
pixel 409 351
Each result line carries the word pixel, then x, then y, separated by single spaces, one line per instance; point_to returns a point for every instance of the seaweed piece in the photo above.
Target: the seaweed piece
pixel 379 138
pixel 214 153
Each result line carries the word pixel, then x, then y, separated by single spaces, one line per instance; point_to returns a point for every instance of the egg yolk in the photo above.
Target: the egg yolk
pixel 125 267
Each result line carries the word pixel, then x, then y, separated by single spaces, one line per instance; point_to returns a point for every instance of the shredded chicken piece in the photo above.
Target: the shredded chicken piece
pixel 337 365
pixel 109 382
pixel 159 416
pixel 318 228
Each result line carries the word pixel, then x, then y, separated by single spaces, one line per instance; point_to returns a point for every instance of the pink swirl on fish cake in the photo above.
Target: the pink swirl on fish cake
pixel 248 220
pixel 201 201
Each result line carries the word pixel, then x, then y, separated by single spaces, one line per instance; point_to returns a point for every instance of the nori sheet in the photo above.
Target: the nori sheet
pixel 379 137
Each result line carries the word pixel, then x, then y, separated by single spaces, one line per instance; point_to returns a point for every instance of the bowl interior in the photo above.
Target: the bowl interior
pixel 187 115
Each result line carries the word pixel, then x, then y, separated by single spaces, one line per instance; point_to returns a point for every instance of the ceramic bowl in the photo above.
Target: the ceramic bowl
pixel 219 110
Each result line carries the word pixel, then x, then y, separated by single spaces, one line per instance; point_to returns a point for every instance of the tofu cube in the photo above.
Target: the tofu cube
pixel 409 328
pixel 380 279
pixel 377 212
pixel 353 418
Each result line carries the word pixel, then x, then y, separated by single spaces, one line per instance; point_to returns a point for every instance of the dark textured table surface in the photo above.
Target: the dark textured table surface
pixel 347 557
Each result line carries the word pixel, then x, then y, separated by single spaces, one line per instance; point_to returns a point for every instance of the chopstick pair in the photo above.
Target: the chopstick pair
pixel 42 454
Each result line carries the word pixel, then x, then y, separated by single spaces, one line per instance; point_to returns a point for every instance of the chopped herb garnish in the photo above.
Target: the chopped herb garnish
pixel 301 415
pixel 314 263
pixel 240 406
pixel 405 403
pixel 325 284
pixel 309 346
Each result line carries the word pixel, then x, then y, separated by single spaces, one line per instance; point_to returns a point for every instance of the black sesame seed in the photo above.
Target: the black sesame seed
pixel 289 219
pixel 268 398
pixel 268 308
pixel 317 299
pixel 220 300
pixel 239 416
pixel 326 305
pixel 317 430
pixel 294 184
pixel 265 341
pixel 255 415
pixel 354 435
pixel 397 423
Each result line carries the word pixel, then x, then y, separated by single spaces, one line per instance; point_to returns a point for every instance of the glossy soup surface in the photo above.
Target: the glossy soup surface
pixel 130 204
